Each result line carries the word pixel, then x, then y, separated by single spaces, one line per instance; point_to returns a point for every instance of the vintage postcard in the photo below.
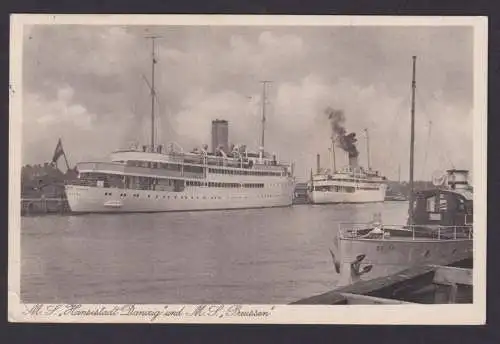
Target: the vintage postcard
pixel 247 169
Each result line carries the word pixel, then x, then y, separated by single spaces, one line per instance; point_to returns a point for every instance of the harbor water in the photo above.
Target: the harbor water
pixel 255 256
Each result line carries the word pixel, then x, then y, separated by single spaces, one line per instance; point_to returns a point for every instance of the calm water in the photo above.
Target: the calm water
pixel 239 256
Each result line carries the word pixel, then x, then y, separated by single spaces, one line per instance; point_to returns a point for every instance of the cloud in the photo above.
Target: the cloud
pixel 194 121
pixel 87 84
pixel 47 120
pixel 270 56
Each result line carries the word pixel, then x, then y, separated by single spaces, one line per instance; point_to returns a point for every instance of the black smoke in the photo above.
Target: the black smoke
pixel 345 141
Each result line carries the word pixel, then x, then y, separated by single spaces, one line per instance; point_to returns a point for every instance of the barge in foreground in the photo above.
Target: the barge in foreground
pixel 428 284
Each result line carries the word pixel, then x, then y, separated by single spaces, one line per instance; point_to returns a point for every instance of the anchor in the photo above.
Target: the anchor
pixel 356 266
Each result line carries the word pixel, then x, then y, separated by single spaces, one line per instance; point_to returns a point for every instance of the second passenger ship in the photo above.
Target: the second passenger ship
pixel 154 179
pixel 350 184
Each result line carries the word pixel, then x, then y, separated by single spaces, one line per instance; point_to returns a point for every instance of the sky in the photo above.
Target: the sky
pixel 86 85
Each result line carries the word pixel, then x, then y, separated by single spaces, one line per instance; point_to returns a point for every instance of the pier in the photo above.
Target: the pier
pixel 44 205
pixel 428 284
pixel 300 194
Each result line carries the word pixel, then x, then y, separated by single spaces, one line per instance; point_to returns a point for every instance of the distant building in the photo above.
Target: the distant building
pixel 220 135
pixel 46 180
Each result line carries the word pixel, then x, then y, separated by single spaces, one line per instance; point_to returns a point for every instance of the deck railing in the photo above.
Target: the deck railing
pixel 361 231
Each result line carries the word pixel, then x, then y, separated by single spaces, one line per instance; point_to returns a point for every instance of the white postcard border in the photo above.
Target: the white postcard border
pixel 452 314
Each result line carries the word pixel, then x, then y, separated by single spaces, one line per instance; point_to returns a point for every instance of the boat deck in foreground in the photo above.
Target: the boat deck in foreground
pixel 427 284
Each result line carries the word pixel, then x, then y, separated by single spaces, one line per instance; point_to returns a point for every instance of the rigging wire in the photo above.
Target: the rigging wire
pixel 446 152
pixel 395 119
pixel 163 108
pixel 422 175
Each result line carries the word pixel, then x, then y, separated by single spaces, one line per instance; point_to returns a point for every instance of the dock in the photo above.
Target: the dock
pixel 44 205
pixel 428 284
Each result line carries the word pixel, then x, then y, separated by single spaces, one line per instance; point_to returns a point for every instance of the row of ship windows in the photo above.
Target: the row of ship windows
pixel 165 166
pixel 233 185
pixel 198 169
pixel 123 195
pixel 144 183
pixel 244 172
pixel 360 180
pixel 343 188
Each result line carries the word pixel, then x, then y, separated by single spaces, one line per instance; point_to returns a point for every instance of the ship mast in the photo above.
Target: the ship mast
pixel 412 142
pixel 264 99
pixel 367 149
pixel 153 92
pixel 334 163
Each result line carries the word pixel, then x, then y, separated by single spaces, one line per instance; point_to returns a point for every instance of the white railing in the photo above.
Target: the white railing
pixel 47 199
pixel 360 231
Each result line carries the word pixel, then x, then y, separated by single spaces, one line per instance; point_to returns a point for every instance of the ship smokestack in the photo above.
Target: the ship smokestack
pixel 353 161
pixel 220 135
pixel 318 163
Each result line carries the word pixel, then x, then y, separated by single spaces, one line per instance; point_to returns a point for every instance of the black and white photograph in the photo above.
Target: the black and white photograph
pixel 247 169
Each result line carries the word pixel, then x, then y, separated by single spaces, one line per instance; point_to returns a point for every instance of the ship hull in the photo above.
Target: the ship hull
pixel 390 256
pixel 359 196
pixel 87 199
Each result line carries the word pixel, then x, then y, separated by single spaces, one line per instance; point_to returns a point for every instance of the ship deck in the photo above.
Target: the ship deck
pixel 399 239
pixel 404 233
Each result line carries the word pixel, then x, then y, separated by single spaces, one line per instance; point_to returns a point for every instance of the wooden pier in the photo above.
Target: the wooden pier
pixel 429 284
pixel 44 205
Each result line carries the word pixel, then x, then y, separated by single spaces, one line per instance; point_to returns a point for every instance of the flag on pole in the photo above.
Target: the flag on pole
pixel 58 152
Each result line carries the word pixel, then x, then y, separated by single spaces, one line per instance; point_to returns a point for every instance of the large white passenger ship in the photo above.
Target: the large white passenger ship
pixel 151 179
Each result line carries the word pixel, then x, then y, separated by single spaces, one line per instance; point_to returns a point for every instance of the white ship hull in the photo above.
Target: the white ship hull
pixel 358 196
pixel 391 256
pixel 87 199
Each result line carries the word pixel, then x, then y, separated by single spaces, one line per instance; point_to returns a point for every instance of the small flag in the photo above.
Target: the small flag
pixel 58 152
